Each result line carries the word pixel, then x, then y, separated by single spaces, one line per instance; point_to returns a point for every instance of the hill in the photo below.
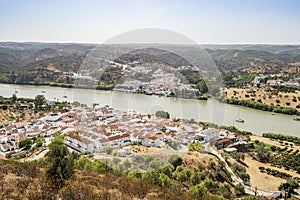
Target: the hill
pixel 37 63
pixel 152 55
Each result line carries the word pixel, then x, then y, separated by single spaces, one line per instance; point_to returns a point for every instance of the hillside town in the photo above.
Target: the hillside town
pixel 90 130
pixel 149 80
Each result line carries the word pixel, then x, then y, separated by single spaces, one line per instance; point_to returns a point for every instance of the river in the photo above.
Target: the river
pixel 256 121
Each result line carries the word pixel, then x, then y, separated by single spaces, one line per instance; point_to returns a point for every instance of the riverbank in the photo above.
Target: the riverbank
pixel 63 85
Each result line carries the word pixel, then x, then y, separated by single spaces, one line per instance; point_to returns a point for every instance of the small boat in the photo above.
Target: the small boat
pixel 240 120
pixel 43 91
pixel 65 96
pixel 297 119
pixel 16 91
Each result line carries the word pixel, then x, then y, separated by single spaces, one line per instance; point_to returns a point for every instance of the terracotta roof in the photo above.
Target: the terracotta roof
pixel 22 123
pixel 74 136
pixel 104 140
pixel 113 126
pixel 225 140
pixel 9 128
pixel 116 137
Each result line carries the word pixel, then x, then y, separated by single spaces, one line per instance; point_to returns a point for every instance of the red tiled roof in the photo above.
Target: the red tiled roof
pixel 74 136
pixel 225 140
pixel 22 123
pixel 116 137
pixel 9 128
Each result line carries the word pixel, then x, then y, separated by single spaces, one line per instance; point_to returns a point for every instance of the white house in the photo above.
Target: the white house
pixel 3 139
pixel 53 117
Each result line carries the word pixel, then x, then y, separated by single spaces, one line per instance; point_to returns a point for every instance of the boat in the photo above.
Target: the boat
pixel 239 119
pixel 16 91
pixel 65 96
pixel 297 119
pixel 43 91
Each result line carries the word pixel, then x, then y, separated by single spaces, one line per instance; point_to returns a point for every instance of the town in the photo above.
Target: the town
pixel 90 130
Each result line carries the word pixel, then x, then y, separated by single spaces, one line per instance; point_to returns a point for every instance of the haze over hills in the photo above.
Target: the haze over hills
pixel 41 60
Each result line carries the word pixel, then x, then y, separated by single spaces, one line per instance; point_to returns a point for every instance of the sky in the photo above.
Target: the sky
pixel 203 21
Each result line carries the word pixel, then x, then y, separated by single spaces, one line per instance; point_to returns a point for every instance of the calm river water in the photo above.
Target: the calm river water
pixel 256 121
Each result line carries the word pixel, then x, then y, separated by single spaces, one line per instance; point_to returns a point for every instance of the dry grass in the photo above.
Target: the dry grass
pixel 6 116
pixel 262 180
pixel 51 67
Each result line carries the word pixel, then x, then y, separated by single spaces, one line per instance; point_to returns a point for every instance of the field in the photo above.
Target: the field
pixel 260 179
pixel 266 96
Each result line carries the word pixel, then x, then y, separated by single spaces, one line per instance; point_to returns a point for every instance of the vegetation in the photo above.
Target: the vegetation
pixel 275 172
pixel 61 163
pixel 162 114
pixel 278 157
pixel 108 149
pixel 294 139
pixel 195 147
pixel 288 187
pixel 264 107
pixel 175 160
pixel 240 171
pixel 26 144
pixel 235 130
pixel 63 175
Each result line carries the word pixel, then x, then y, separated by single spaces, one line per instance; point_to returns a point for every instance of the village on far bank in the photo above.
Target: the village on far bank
pixel 94 130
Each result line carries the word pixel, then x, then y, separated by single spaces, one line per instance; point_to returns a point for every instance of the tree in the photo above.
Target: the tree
pixel 14 98
pixel 288 187
pixel 164 180
pixel 83 163
pixel 225 191
pixel 251 197
pixel 210 184
pixel 134 173
pixel 195 178
pixel 156 164
pixel 195 147
pixel 175 160
pixel 202 87
pixel 162 114
pixel 244 176
pixel 27 143
pixel 198 191
pixel 151 177
pixel 167 169
pixel 107 149
pixel 61 163
pixel 262 154
pixel 38 101
pixel 127 164
pixel 238 156
pixel 239 189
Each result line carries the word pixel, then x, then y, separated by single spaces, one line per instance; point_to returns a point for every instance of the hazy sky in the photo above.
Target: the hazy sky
pixel 204 21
